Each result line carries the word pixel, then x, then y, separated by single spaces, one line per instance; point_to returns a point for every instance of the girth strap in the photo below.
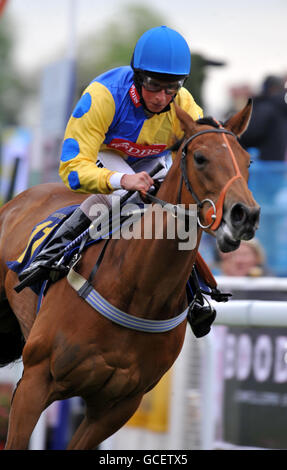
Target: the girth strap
pixel 86 291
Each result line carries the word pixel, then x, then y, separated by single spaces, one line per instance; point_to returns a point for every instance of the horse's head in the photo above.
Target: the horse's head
pixel 214 169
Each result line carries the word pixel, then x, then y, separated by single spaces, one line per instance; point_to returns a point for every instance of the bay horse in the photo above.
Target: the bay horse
pixel 70 348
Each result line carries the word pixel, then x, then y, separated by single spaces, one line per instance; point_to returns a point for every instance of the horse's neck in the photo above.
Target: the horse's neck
pixel 146 276
pixel 169 255
pixel 151 274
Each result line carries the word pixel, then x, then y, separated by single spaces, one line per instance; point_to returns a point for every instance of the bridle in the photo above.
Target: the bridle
pixel 214 213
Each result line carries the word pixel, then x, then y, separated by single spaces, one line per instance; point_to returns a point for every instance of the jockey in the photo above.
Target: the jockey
pixel 122 126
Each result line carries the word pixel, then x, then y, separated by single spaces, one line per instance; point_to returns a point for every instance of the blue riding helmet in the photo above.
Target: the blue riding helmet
pixel 162 50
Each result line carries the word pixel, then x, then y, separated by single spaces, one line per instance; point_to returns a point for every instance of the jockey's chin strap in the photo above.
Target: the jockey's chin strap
pixel 214 214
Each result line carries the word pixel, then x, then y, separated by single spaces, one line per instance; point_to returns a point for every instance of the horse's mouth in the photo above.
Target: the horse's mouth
pixel 225 239
pixel 239 222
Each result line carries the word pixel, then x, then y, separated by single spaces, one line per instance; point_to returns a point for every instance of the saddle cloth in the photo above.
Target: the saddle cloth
pixel 40 235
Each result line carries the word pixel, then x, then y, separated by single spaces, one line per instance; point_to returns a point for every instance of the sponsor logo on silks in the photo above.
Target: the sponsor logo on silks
pixel 135 97
pixel 136 150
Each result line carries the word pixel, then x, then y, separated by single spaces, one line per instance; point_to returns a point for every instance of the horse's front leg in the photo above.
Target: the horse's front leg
pixel 94 429
pixel 30 399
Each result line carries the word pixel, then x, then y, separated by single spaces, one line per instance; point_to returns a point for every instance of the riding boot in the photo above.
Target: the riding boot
pixel 200 317
pixel 76 224
pixel 201 314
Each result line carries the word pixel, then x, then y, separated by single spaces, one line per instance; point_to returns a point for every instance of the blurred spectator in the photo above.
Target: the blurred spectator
pixel 239 95
pixel 247 260
pixel 267 130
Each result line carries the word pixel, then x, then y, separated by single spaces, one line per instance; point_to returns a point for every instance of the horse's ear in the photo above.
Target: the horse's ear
pixel 186 121
pixel 239 122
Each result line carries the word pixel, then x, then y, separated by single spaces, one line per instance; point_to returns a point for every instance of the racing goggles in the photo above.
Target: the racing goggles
pixel 153 85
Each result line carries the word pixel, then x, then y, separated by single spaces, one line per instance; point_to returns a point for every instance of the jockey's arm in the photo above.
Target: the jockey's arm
pixel 85 134
pixel 83 138
pixel 137 182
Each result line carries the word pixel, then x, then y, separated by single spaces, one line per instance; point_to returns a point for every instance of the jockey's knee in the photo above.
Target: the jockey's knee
pixel 91 205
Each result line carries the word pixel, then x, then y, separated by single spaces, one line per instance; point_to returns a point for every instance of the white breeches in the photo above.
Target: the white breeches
pixel 115 162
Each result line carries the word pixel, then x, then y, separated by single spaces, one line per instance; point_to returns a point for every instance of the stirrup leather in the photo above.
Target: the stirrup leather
pixel 214 293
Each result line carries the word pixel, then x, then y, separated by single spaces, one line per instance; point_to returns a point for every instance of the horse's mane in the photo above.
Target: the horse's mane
pixel 208 121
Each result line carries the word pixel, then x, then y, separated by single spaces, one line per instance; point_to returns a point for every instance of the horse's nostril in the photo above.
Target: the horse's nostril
pixel 238 214
pixel 242 215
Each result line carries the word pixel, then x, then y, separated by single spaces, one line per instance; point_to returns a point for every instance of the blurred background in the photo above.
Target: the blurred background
pixel 50 51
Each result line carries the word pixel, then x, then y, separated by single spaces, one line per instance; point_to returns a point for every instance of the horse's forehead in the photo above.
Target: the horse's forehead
pixel 209 140
pixel 214 144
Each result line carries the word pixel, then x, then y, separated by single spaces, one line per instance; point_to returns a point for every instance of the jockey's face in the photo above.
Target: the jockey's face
pixel 158 94
pixel 156 101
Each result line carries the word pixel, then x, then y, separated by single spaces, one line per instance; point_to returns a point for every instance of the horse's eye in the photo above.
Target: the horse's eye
pixel 199 159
